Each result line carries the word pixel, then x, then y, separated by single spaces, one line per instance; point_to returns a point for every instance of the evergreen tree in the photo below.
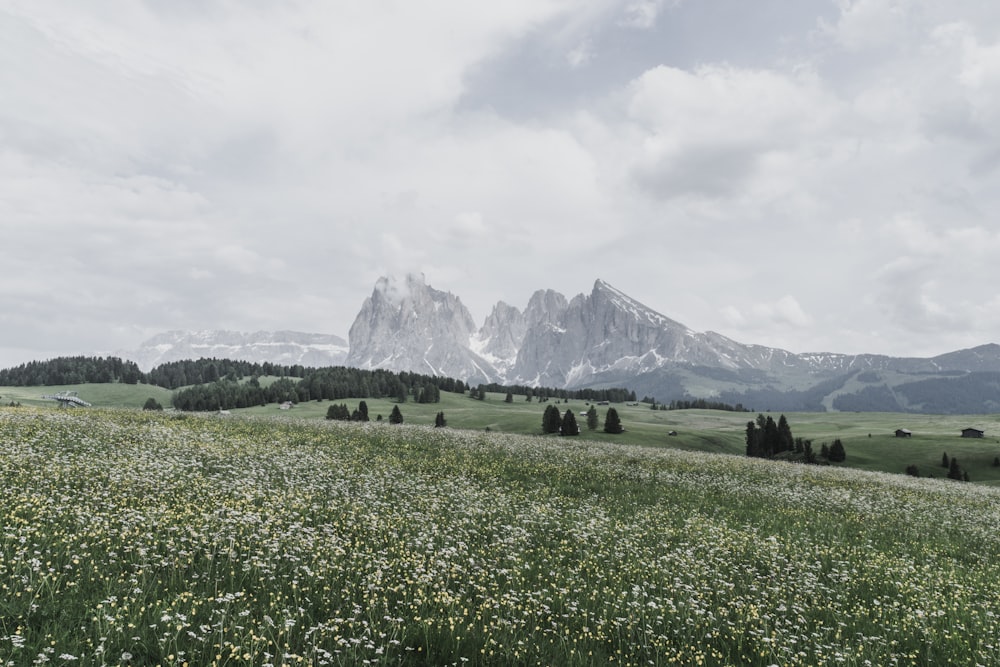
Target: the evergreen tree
pixel 339 412
pixel 954 472
pixel 807 452
pixel 440 421
pixel 753 439
pixel 152 404
pixel 569 426
pixel 996 461
pixel 824 452
pixel 944 460
pixel 395 417
pixel 769 441
pixel 612 423
pixel 509 398
pixel 592 418
pixel 784 442
pixel 551 419
pixel 837 453
pixel 362 411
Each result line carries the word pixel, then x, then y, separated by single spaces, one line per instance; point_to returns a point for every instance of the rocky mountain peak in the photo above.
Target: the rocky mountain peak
pixel 406 325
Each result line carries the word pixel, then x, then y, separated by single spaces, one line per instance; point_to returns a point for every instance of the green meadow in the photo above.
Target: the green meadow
pixel 158 538
pixel 869 438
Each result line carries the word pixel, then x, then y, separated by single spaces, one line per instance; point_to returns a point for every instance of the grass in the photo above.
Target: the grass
pixel 100 395
pixel 132 538
pixel 697 430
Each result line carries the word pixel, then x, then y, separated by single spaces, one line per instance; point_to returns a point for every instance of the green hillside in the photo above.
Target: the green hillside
pixel 142 538
pixel 697 430
pixel 110 395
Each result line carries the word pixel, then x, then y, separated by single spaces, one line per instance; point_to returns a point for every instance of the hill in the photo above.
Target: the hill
pixel 147 538
pixel 868 437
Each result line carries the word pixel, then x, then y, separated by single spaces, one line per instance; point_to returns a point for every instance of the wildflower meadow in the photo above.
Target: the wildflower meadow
pixel 139 538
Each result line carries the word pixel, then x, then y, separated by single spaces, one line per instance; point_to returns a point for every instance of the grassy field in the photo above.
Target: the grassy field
pixel 99 395
pixel 135 538
pixel 868 437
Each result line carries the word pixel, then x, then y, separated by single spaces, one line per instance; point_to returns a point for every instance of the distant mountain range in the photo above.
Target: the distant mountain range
pixel 287 348
pixel 604 339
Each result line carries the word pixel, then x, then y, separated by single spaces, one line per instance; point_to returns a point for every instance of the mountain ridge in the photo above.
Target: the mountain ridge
pixel 607 338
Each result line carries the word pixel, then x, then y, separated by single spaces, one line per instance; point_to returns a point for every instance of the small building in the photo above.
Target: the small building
pixel 903 433
pixel 972 433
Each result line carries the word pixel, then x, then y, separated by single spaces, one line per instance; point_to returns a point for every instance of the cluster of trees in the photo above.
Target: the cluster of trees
pixel 335 383
pixel 954 470
pixel 152 404
pixel 176 374
pixel 694 404
pixel 342 413
pixel 555 420
pixel 612 394
pixel 768 439
pixel 72 370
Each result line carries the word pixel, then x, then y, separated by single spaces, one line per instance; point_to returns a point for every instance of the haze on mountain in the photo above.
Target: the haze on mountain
pixel 608 339
pixel 805 175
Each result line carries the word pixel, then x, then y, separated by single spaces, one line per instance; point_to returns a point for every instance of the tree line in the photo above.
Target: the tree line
pixel 768 439
pixel 335 383
pixel 564 423
pixel 610 394
pixel 72 370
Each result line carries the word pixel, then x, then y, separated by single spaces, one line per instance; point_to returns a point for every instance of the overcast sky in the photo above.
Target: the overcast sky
pixel 815 175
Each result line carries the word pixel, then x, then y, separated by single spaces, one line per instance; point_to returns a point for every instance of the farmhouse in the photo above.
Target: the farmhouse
pixel 972 433
pixel 903 433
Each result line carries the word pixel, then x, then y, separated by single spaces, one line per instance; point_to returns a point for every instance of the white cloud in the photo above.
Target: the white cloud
pixel 642 14
pixel 580 55
pixel 200 162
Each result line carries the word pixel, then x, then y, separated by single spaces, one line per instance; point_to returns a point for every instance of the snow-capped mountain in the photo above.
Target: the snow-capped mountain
pixel 405 325
pixel 279 347
pixel 607 338
pixel 601 339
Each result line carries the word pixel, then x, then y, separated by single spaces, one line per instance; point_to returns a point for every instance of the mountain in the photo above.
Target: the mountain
pixel 603 339
pixel 606 339
pixel 408 326
pixel 279 347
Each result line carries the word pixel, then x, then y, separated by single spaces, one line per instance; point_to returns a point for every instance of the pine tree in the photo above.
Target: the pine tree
pixel 509 398
pixel 753 439
pixel 440 421
pixel 362 411
pixel 592 418
pixel 395 417
pixel 769 444
pixel 784 442
pixel 612 424
pixel 944 460
pixel 837 452
pixel 954 472
pixel 568 426
pixel 551 420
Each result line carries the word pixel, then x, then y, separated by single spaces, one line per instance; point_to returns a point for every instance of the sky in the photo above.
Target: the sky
pixel 814 175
